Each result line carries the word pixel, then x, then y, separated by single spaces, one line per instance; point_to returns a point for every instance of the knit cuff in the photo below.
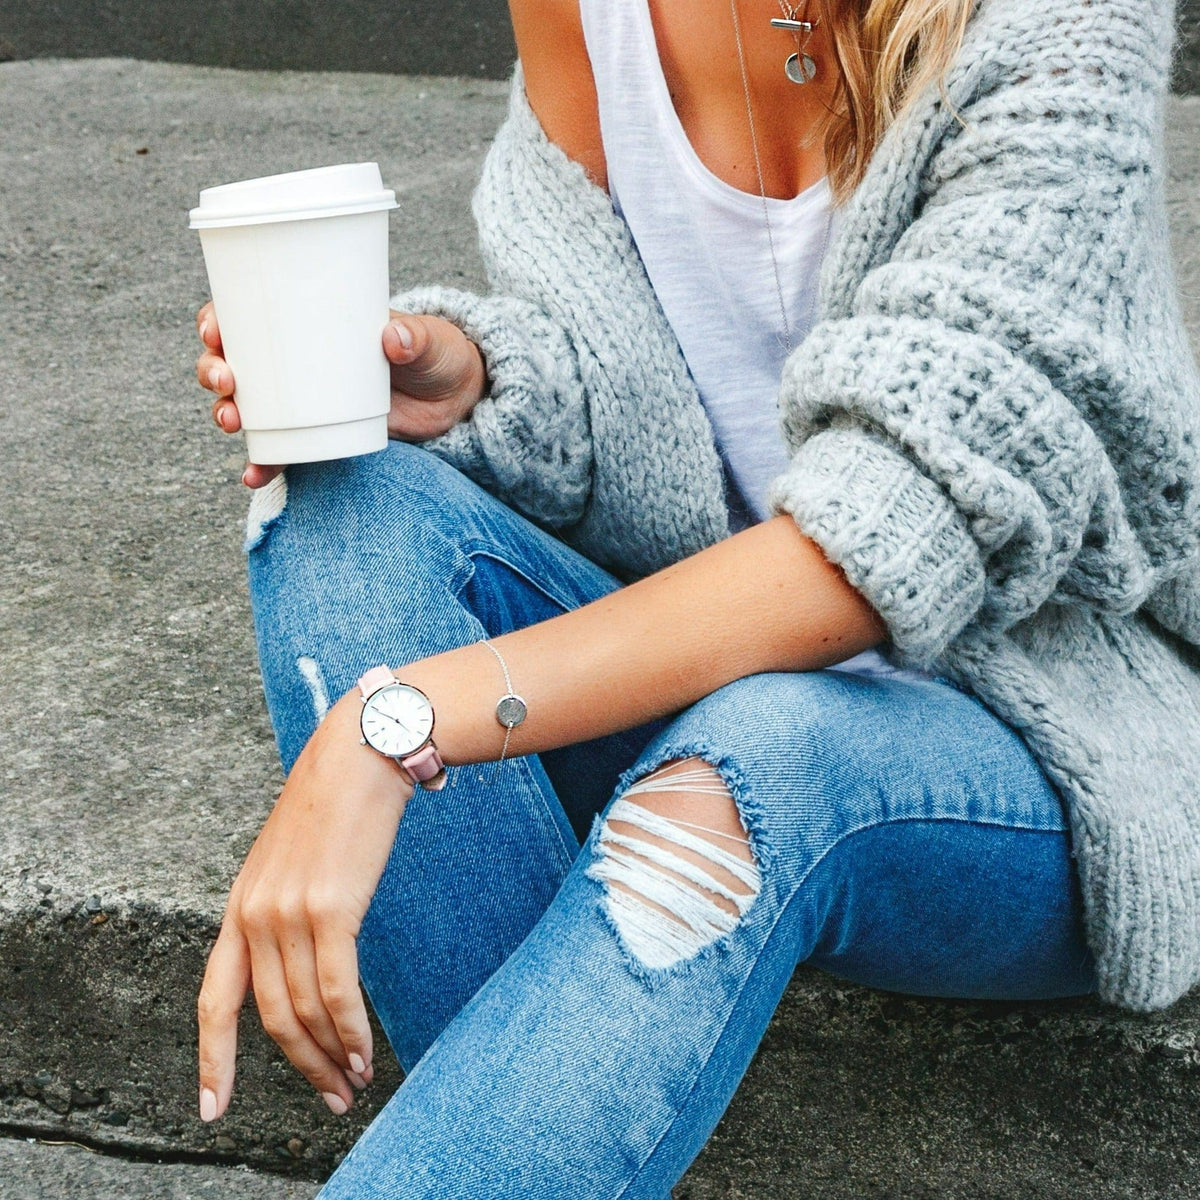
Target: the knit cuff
pixel 527 440
pixel 900 541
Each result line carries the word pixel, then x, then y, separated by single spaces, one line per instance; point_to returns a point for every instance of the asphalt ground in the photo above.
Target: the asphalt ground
pixel 435 37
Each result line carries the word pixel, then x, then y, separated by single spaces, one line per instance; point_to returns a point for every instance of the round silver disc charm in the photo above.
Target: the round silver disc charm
pixel 800 68
pixel 510 711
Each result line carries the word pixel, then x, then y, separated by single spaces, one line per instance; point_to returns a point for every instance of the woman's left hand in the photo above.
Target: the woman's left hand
pixel 294 913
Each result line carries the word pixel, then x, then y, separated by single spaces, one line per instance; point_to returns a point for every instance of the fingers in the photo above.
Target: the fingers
pixel 213 373
pixel 256 475
pixel 412 419
pixel 225 414
pixel 226 979
pixel 337 979
pixel 277 1011
pixel 206 326
pixel 309 1000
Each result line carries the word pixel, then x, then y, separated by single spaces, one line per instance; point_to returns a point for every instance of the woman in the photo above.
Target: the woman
pixel 981 509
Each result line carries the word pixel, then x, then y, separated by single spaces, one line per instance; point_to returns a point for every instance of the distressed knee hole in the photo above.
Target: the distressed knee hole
pixel 677 862
pixel 266 507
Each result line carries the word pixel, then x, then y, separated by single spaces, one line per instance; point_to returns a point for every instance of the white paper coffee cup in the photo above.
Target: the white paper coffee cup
pixel 298 267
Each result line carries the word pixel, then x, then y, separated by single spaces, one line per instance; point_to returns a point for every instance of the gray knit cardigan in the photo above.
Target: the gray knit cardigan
pixel 994 427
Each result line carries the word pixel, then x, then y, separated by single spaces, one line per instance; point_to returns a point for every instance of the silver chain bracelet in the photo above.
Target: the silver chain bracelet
pixel 511 710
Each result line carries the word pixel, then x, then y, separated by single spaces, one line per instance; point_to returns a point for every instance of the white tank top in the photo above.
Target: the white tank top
pixel 705 247
pixel 707 253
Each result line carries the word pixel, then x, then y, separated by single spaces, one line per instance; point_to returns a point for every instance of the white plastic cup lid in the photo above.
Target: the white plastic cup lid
pixel 296 196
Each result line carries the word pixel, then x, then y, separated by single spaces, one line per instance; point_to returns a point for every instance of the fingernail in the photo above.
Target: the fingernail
pixel 246 477
pixel 404 334
pixel 208 1104
pixel 336 1103
pixel 203 329
pixel 223 417
pixel 357 1080
pixel 214 378
pixel 356 1064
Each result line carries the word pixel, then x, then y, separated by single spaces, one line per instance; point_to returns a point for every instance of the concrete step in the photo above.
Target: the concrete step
pixel 40 1170
pixel 137 764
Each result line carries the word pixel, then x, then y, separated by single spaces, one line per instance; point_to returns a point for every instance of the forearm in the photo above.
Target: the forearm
pixel 763 600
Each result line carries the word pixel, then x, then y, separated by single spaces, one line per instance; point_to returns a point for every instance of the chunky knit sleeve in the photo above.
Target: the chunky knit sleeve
pixel 978 427
pixel 527 440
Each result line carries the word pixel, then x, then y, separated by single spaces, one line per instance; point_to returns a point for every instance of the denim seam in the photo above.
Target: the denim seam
pixel 536 787
pixel 475 548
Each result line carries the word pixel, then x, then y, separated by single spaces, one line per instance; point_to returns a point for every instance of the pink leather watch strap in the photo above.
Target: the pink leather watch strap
pixel 374 679
pixel 425 764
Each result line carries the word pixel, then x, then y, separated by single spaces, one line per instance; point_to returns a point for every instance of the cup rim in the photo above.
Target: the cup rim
pixel 356 188
pixel 379 202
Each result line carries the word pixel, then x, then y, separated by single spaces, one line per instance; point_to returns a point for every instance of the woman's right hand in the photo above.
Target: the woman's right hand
pixel 438 376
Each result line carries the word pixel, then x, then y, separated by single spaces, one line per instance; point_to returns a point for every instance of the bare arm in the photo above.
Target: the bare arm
pixel 766 599
pixel 558 79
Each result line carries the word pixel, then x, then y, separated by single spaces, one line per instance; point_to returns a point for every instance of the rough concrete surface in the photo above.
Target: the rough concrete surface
pixel 31 1170
pixel 136 763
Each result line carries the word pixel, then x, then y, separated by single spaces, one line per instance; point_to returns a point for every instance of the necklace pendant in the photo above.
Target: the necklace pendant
pixel 800 68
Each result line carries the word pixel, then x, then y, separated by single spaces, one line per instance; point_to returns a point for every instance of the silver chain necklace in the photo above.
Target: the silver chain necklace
pixel 762 187
pixel 800 67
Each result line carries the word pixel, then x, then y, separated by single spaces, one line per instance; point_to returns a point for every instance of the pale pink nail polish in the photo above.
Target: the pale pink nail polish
pixel 336 1103
pixel 356 1081
pixel 214 378
pixel 208 1104
pixel 404 334
pixel 356 1064
pixel 203 329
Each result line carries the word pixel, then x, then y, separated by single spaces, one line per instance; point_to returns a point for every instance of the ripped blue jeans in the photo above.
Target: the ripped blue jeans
pixel 573 1018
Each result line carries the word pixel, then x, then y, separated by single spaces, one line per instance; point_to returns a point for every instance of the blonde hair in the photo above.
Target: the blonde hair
pixel 887 52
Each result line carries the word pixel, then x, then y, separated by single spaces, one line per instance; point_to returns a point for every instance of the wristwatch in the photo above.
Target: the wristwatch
pixel 397 722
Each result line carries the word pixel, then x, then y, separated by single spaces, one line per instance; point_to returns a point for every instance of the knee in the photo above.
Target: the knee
pixel 397 497
pixel 677 863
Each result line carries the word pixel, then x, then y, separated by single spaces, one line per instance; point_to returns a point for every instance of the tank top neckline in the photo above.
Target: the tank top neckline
pixel 816 192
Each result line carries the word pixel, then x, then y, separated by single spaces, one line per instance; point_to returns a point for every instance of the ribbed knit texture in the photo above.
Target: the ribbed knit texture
pixel 995 424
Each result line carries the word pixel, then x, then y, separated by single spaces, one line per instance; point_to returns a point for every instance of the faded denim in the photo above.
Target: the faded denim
pixel 905 837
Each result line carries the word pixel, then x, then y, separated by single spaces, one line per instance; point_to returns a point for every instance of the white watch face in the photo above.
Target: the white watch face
pixel 397 719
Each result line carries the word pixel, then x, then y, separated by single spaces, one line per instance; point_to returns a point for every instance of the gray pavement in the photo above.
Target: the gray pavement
pixel 136 763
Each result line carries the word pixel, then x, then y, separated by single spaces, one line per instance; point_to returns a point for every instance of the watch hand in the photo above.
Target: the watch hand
pixel 398 722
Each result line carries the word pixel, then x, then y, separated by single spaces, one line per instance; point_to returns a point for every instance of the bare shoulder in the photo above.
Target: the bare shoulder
pixel 558 79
